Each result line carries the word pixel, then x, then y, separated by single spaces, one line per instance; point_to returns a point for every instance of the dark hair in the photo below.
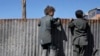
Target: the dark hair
pixel 48 9
pixel 79 14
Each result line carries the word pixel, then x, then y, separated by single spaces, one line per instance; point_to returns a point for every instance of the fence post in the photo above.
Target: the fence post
pixel 23 9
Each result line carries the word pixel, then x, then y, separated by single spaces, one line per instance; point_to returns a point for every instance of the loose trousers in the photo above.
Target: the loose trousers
pixel 79 50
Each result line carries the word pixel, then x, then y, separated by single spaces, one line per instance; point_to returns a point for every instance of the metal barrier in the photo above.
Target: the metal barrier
pixel 20 38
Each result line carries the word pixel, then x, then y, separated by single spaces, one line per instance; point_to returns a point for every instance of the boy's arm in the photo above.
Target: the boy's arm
pixel 71 25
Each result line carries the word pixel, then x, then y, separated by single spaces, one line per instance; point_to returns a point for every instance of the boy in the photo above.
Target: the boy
pixel 80 39
pixel 45 32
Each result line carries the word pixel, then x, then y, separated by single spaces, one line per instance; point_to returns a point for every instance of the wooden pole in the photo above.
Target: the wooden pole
pixel 23 9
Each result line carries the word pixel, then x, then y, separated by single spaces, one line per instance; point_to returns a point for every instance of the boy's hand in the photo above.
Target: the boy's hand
pixel 72 19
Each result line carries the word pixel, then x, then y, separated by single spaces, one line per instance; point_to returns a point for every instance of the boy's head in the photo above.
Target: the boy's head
pixel 79 14
pixel 49 10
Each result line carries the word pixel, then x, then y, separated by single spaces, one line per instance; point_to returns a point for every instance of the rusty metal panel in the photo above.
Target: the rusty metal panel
pixel 20 38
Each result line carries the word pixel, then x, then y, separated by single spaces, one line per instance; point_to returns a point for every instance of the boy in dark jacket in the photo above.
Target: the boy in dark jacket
pixel 80 39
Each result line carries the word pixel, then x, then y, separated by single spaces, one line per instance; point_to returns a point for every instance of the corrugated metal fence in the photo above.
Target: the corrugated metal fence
pixel 20 38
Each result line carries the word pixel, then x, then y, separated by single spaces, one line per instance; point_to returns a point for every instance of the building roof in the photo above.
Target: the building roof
pixel 94 9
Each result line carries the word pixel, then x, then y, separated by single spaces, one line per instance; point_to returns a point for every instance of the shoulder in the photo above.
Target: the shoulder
pixel 49 17
pixel 46 17
pixel 43 17
pixel 80 20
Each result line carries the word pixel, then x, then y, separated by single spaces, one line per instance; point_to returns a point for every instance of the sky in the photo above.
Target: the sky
pixel 35 8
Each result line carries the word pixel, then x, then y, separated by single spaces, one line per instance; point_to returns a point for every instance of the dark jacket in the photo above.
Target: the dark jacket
pixel 58 34
pixel 79 27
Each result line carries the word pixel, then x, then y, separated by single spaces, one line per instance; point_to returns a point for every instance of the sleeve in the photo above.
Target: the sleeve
pixel 87 27
pixel 39 24
pixel 58 23
pixel 71 25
